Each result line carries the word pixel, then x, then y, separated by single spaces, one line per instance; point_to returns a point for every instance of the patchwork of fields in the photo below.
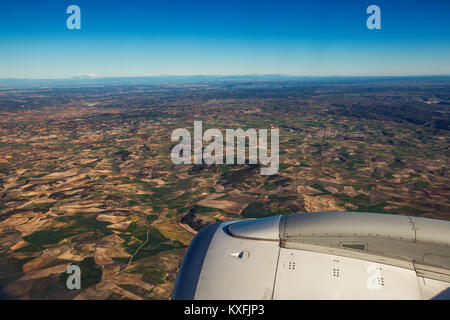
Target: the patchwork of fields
pixel 86 175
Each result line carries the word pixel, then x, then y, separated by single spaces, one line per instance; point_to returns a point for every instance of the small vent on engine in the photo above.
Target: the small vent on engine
pixel 290 265
pixel 355 246
pixel 336 272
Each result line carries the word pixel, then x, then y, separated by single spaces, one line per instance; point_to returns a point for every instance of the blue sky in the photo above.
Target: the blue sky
pixel 233 37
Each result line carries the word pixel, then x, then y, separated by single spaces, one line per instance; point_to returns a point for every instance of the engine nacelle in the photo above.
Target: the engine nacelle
pixel 333 255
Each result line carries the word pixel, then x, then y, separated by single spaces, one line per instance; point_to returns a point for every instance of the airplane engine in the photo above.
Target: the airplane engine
pixel 332 255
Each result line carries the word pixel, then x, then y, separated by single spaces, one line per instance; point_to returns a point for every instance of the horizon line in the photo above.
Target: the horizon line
pixel 89 77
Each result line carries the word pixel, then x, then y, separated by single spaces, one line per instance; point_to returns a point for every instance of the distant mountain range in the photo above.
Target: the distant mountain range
pixel 10 83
